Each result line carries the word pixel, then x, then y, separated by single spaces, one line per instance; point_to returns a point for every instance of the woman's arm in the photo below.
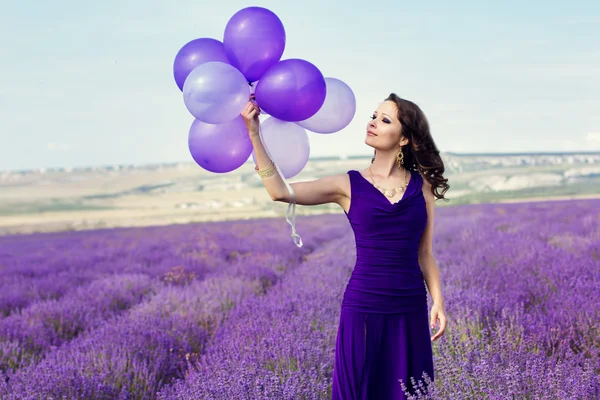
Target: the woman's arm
pixel 274 184
pixel 329 189
pixel 429 267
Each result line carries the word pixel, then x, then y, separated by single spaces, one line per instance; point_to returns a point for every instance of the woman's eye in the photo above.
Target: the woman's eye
pixel 386 120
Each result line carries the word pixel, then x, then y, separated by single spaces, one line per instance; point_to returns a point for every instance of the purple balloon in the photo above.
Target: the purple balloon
pixel 337 111
pixel 292 90
pixel 194 53
pixel 254 41
pixel 215 92
pixel 287 143
pixel 220 148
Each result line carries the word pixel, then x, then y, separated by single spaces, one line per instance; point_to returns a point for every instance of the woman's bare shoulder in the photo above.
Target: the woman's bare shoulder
pixel 341 182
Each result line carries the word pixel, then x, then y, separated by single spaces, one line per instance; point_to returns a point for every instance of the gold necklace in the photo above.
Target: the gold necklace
pixel 389 192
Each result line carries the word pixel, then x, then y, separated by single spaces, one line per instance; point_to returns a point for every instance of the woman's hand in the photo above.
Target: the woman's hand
pixel 438 314
pixel 250 115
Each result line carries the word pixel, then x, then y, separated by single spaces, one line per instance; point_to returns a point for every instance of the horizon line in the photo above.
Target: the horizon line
pixel 313 158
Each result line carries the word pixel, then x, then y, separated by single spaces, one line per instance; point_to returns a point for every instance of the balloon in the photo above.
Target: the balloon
pixel 220 147
pixel 292 90
pixel 254 41
pixel 337 110
pixel 215 92
pixel 194 53
pixel 287 143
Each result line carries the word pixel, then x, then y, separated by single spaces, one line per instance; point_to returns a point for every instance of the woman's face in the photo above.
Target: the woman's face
pixel 384 131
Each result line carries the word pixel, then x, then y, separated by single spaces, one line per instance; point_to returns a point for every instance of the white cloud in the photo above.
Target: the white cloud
pixel 466 122
pixel 581 19
pixel 593 139
pixel 585 70
pixel 58 146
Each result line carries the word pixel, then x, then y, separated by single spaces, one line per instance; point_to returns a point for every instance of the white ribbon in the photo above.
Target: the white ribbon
pixel 292 204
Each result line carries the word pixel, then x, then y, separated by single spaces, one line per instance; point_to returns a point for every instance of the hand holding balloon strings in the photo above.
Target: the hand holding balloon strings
pixel 250 115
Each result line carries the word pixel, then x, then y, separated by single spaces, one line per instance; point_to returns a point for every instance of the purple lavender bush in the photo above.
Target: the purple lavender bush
pixel 279 346
pixel 235 310
pixel 46 324
pixel 522 293
pixel 130 338
pixel 46 266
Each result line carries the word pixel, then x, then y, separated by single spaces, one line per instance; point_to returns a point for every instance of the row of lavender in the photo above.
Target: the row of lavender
pixel 523 285
pixel 119 313
pixel 46 266
pixel 522 291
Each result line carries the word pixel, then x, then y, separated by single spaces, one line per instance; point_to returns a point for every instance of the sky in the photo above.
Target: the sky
pixel 91 83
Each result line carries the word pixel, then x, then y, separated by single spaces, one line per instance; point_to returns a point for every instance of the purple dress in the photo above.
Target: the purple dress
pixel 383 333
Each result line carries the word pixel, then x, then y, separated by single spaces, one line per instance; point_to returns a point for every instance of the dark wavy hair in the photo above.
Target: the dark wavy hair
pixel 421 154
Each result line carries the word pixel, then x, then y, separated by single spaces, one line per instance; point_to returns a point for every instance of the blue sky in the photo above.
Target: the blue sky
pixel 90 83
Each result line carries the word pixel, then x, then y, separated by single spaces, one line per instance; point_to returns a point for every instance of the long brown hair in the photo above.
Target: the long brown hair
pixel 421 154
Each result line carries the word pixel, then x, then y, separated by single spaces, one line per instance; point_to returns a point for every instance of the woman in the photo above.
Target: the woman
pixel 383 338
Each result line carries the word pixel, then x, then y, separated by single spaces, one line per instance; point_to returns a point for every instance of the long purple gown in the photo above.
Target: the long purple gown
pixel 383 333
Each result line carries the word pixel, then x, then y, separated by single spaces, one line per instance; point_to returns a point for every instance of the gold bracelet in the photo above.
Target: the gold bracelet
pixel 267 171
pixel 256 166
pixel 270 174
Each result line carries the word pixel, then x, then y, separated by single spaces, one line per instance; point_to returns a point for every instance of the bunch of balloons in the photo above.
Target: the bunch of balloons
pixel 217 78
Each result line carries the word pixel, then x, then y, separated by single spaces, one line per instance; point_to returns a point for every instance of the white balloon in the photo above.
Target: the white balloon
pixel 337 111
pixel 287 143
pixel 215 92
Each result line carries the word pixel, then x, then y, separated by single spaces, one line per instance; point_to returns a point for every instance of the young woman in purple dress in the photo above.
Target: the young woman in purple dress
pixel 384 336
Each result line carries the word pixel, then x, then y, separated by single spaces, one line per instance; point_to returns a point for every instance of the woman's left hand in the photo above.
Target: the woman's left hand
pixel 438 314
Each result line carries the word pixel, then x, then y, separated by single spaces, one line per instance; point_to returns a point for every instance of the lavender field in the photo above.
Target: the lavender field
pixel 234 310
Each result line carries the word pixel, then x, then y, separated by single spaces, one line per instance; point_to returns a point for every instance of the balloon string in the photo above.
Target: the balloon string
pixel 292 204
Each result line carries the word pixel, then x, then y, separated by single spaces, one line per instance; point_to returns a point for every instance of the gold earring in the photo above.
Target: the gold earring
pixel 400 158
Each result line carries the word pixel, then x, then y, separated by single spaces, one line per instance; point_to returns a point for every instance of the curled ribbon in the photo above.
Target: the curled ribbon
pixel 292 204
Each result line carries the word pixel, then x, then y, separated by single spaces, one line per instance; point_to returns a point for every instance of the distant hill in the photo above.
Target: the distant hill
pixel 163 193
pixel 445 155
